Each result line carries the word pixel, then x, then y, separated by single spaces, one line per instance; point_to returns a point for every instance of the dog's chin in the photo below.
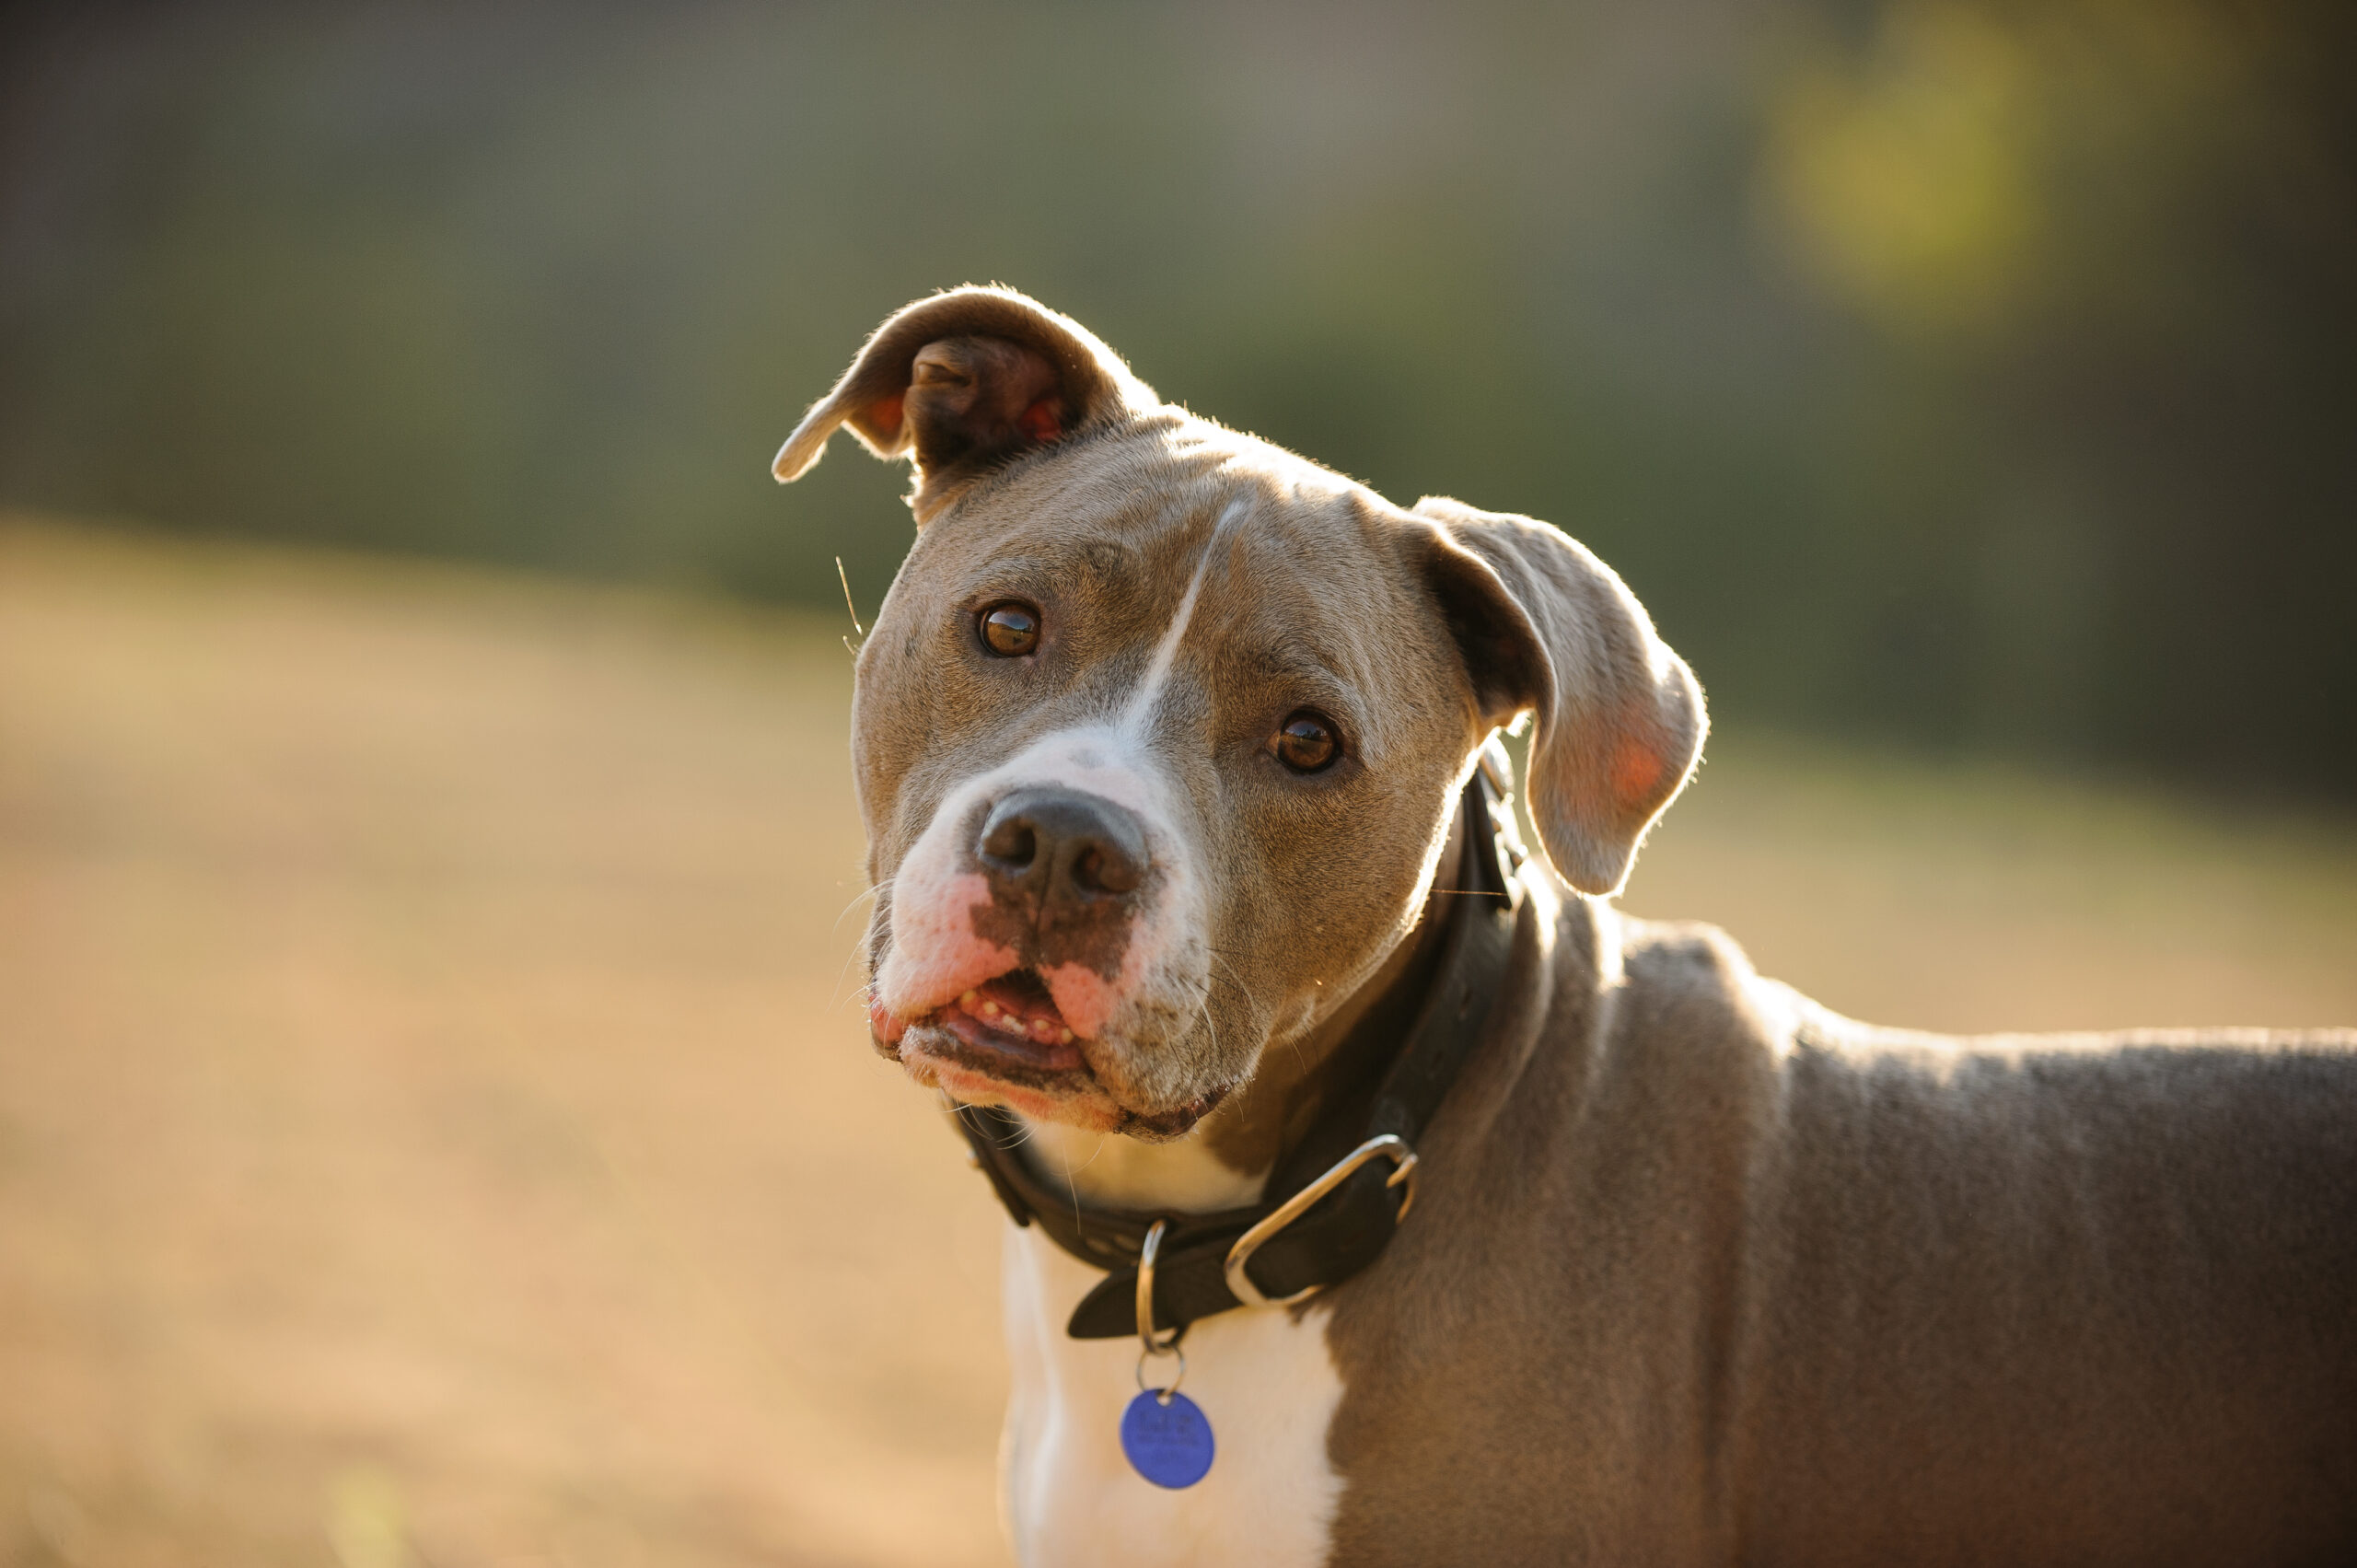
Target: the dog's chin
pixel 978 1066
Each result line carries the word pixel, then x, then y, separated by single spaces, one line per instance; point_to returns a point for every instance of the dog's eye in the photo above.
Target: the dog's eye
pixel 1305 742
pixel 1010 629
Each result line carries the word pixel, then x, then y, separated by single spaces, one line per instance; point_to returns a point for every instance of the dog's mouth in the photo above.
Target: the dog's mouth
pixel 1006 1042
pixel 1006 1033
pixel 1011 1016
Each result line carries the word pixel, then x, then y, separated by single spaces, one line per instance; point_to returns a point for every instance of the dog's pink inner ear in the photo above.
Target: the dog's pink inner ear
pixel 884 416
pixel 1044 420
pixel 980 398
pixel 1636 772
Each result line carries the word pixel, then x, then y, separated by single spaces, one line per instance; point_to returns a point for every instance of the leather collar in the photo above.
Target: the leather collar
pixel 1344 1230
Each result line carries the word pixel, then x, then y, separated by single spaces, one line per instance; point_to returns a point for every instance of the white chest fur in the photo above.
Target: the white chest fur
pixel 1266 1383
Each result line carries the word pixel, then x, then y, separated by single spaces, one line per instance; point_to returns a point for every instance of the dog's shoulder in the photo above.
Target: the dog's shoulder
pixel 1686 990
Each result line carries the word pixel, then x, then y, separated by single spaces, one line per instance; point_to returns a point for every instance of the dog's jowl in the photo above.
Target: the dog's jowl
pixel 1478 1222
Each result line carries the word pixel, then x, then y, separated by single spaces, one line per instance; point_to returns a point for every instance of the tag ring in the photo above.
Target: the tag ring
pixel 1162 1395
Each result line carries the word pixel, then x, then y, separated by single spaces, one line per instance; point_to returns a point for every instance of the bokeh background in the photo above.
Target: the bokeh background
pixel 435 1126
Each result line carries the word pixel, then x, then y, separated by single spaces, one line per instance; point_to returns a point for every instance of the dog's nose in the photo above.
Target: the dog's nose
pixel 1054 846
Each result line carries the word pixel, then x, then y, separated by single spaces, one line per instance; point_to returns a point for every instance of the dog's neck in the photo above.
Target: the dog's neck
pixel 1225 1160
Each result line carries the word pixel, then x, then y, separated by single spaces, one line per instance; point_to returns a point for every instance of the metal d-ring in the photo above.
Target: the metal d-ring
pixel 1162 1342
pixel 1156 1342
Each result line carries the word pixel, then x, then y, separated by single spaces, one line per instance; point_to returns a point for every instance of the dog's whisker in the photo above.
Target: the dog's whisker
pixel 879 891
pixel 875 891
pixel 865 987
pixel 1211 1025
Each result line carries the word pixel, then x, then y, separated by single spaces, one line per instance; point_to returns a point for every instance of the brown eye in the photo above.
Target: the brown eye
pixel 1010 630
pixel 1305 742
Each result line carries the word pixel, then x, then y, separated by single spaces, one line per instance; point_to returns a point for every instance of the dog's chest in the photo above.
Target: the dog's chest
pixel 1265 1382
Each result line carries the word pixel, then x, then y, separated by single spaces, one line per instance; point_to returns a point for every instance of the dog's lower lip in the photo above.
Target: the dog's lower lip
pixel 1011 1014
pixel 1014 1048
pixel 1015 1018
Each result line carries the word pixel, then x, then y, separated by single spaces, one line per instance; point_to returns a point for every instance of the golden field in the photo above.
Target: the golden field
pixel 437 1126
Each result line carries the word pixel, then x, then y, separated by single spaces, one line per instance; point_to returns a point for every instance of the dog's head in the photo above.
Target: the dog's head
pixel 1158 731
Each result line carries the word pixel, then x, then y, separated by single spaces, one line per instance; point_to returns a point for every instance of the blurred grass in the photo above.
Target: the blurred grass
pixel 436 1127
pixel 1979 897
pixel 426 1053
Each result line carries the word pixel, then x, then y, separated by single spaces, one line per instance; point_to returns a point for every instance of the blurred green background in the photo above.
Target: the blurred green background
pixel 1969 374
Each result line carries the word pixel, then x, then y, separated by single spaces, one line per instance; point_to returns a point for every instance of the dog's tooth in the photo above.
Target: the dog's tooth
pixel 1042 1030
pixel 990 1010
pixel 966 1002
pixel 1008 1022
pixel 1064 1037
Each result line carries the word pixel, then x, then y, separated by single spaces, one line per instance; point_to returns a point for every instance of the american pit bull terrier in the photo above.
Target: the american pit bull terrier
pixel 1501 1227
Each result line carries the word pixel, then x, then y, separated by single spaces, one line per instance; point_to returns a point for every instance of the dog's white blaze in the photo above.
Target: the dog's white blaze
pixel 1266 1383
pixel 1139 710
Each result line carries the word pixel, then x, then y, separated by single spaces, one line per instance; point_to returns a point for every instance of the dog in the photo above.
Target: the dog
pixel 1500 1227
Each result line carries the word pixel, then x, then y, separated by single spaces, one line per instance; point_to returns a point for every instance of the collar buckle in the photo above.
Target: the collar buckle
pixel 1403 1172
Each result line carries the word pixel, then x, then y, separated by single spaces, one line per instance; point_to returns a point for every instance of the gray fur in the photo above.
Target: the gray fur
pixel 1710 1275
pixel 1700 1272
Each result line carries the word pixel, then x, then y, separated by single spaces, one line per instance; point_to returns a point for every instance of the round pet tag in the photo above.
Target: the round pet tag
pixel 1166 1438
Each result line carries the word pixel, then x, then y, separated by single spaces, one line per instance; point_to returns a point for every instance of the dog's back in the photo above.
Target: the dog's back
pixel 2068 1299
pixel 1819 1293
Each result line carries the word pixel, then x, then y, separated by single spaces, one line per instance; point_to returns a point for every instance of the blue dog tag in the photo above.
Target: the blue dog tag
pixel 1166 1438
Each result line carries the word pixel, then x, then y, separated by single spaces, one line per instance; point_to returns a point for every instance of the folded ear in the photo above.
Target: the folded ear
pixel 1548 629
pixel 963 380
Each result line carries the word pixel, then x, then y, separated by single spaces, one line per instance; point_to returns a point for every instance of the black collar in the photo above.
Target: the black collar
pixel 1295 1241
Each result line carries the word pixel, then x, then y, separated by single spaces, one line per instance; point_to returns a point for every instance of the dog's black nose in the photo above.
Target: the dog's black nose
pixel 1057 846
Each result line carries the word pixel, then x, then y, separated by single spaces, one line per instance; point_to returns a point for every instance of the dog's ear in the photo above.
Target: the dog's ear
pixel 1545 628
pixel 962 380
